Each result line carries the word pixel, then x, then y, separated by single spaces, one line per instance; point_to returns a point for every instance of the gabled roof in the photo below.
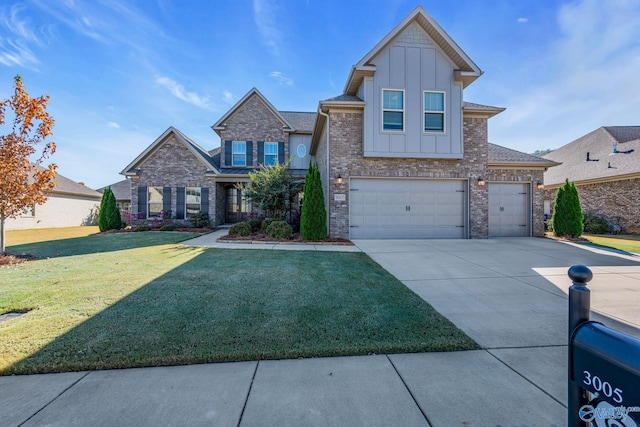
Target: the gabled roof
pixel 302 122
pixel 121 189
pixel 500 156
pixel 603 164
pixel 220 124
pixel 200 153
pixel 479 109
pixel 67 186
pixel 466 72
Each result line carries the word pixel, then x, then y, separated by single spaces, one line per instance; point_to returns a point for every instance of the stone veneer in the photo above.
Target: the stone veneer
pixel 346 160
pixel 171 164
pixel 253 121
pixel 617 201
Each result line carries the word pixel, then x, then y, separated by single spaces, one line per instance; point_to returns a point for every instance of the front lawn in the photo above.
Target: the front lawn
pixel 142 299
pixel 623 242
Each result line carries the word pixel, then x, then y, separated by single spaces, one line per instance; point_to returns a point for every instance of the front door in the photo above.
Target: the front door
pixel 237 205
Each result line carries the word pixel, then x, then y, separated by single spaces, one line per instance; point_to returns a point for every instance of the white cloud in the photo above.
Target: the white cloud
pixel 227 97
pixel 522 20
pixel 113 125
pixel 282 80
pixel 265 14
pixel 14 49
pixel 179 92
pixel 593 79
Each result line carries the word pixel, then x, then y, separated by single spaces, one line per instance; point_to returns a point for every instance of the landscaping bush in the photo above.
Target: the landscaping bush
pixel 169 227
pixel 313 222
pixel 256 224
pixel 265 224
pixel 109 217
pixel 279 230
pixel 567 213
pixel 240 229
pixel 595 224
pixel 200 220
pixel 142 228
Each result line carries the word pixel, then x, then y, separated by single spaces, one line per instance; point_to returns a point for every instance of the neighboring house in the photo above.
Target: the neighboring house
pixel 69 204
pixel 605 167
pixel 401 155
pixel 122 192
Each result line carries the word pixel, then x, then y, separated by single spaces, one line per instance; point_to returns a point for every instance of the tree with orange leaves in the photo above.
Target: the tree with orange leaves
pixel 23 179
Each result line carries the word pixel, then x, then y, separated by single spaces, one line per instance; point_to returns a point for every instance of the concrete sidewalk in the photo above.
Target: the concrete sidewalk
pixel 507 294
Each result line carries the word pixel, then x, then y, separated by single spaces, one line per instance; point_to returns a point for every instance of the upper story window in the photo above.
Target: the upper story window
pixel 434 111
pixel 270 153
pixel 239 151
pixel 155 202
pixel 392 110
pixel 192 200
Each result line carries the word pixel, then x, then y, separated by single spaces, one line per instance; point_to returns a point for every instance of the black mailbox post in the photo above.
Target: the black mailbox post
pixel 602 361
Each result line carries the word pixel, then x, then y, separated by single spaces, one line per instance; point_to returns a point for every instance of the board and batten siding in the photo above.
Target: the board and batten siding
pixel 413 63
pixel 298 162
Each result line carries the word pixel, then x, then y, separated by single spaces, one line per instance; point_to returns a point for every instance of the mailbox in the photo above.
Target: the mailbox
pixel 607 362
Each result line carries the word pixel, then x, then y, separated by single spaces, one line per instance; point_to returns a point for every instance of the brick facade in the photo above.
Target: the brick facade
pixel 253 121
pixel 617 201
pixel 171 164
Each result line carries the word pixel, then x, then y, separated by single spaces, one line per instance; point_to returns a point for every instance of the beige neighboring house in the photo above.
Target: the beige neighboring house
pixel 69 204
pixel 605 167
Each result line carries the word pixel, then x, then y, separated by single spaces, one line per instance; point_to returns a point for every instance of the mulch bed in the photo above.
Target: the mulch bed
pixel 295 238
pixel 8 260
pixel 565 239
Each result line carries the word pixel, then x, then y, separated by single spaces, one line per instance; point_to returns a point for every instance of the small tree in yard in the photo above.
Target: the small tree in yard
pixel 109 217
pixel 567 213
pixel 313 223
pixel 23 179
pixel 273 189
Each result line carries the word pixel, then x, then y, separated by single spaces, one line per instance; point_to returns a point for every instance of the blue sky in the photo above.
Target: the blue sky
pixel 120 72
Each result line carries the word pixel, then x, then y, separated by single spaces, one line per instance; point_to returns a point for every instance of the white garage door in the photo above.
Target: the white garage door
pixel 509 210
pixel 383 208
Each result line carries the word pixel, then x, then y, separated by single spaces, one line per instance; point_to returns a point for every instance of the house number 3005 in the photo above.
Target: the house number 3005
pixel 602 386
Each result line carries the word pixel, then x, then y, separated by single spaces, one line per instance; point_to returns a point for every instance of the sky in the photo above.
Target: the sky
pixel 120 72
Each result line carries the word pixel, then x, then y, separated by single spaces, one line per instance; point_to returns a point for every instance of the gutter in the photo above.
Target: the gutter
pixel 326 196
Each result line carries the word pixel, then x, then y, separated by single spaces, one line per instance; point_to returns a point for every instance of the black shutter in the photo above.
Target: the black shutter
pixel 249 153
pixel 261 152
pixel 166 200
pixel 281 152
pixel 204 200
pixel 180 206
pixel 142 201
pixel 227 152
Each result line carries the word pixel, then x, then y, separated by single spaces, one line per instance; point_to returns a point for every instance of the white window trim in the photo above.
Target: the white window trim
pixel 403 110
pixel 233 153
pixel 264 160
pixel 443 112
pixel 149 200
pixel 186 190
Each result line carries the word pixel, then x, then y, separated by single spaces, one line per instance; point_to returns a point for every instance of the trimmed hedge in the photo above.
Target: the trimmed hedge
pixel 567 213
pixel 279 230
pixel 240 229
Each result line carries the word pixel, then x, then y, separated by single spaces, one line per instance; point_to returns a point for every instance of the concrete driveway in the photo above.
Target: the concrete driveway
pixel 510 295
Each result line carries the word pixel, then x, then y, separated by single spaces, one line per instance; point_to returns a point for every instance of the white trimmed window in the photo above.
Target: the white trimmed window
pixel 239 151
pixel 192 201
pixel 154 202
pixel 270 153
pixel 434 111
pixel 393 110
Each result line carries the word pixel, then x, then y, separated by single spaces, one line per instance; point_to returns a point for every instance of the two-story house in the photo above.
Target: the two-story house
pixel 401 154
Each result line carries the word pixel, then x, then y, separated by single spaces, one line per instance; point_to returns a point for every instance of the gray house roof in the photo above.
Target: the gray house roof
pixel 67 186
pixel 603 163
pixel 503 156
pixel 302 122
pixel 121 190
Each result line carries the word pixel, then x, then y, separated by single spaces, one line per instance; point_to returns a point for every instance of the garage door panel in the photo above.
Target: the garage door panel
pixel 509 210
pixel 412 208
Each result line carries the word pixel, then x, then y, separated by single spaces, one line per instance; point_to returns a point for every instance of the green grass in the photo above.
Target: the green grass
pixel 142 299
pixel 627 242
pixel 20 237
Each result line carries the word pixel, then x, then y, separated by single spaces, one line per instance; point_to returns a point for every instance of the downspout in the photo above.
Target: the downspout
pixel 326 196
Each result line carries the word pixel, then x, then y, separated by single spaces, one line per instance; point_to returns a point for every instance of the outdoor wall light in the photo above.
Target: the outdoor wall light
pixel 481 181
pixel 339 179
pixel 539 185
